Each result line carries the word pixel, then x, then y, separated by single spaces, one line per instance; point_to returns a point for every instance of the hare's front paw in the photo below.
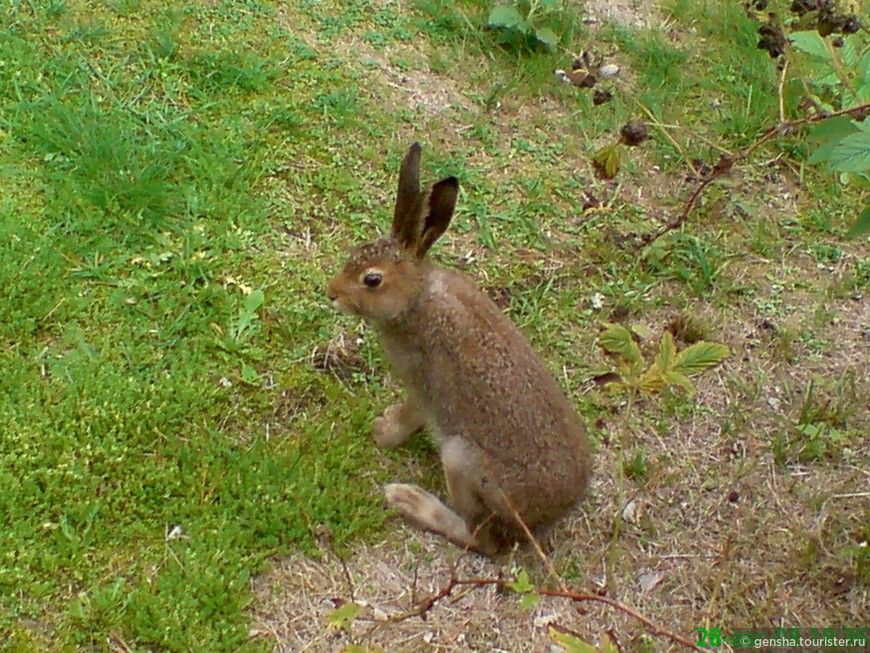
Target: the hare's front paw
pixel 396 425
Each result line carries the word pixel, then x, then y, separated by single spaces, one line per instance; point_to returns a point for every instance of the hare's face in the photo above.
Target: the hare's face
pixel 378 282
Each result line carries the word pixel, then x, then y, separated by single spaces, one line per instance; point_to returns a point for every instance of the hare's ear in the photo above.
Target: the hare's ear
pixel 406 217
pixel 438 208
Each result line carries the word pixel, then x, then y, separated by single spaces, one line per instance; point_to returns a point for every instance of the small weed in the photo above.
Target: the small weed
pixel 526 24
pixel 635 466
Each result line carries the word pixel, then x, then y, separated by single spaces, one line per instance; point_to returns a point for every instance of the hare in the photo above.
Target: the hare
pixel 511 444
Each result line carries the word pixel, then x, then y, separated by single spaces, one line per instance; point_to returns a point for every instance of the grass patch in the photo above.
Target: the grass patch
pixel 178 404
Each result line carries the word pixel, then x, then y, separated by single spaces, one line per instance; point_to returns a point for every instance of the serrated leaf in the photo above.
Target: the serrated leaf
pixel 667 352
pixel 616 339
pixel 675 378
pixel 546 35
pixel 571 643
pixel 253 301
pixel 607 644
pixel 862 224
pixel 608 160
pixel 342 617
pixel 504 16
pixel 643 331
pixel 810 43
pixel 529 600
pixel 249 375
pixel 699 357
pixel 852 154
pixel 829 134
pixel 652 380
pixel 521 583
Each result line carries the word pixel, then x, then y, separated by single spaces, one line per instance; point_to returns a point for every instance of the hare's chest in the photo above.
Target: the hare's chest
pixel 406 359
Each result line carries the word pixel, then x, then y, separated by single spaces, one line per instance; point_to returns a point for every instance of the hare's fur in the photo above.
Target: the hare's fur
pixel 511 444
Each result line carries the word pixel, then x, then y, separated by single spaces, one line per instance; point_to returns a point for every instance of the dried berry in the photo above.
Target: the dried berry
pixel 601 96
pixel 801 7
pixel 851 25
pixel 772 39
pixel 634 133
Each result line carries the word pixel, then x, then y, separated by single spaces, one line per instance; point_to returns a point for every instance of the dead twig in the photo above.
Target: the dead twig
pixel 726 161
pixel 425 606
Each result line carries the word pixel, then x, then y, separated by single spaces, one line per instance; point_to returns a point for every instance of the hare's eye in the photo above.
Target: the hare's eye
pixel 373 279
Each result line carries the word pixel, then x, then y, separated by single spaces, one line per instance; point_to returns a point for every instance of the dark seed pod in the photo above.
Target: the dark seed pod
pixel 851 25
pixel 601 96
pixel 634 133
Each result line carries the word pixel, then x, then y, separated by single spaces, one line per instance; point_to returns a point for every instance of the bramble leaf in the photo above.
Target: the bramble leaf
pixel 529 600
pixel 829 134
pixel 667 352
pixel 852 154
pixel 546 35
pixel 699 357
pixel 862 224
pixel 607 644
pixel 675 378
pixel 652 380
pixel 504 16
pixel 342 617
pixel 522 584
pixel 616 339
pixel 810 43
pixel 571 643
pixel 608 160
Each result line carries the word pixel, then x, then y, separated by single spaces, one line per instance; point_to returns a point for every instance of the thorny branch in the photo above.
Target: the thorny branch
pixel 727 161
pixel 425 606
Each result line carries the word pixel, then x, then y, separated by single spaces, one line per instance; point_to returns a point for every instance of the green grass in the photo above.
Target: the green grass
pixel 163 432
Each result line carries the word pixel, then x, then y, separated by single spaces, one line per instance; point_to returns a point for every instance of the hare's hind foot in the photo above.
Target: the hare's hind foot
pixel 429 513
pixel 398 423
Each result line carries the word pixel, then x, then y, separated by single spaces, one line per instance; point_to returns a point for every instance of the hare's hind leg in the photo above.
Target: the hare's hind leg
pixel 428 512
pixel 399 422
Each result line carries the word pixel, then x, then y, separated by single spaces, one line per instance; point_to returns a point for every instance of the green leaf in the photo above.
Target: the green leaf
pixel 546 35
pixel 810 43
pixel 254 301
pixel 852 154
pixel 667 352
pixel 607 644
pixel 570 643
pixel 643 331
pixel 249 375
pixel 504 16
pixel 652 380
pixel 608 160
pixel 522 584
pixel 342 617
pixel 616 339
pixel 829 134
pixel 699 357
pixel 675 378
pixel 529 600
pixel 862 224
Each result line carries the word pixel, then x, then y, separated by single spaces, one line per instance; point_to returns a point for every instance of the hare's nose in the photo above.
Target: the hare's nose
pixel 332 295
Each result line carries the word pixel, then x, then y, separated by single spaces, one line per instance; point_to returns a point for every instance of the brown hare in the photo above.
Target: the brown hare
pixel 511 443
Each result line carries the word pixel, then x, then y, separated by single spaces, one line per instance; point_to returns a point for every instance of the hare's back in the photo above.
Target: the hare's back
pixel 486 383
